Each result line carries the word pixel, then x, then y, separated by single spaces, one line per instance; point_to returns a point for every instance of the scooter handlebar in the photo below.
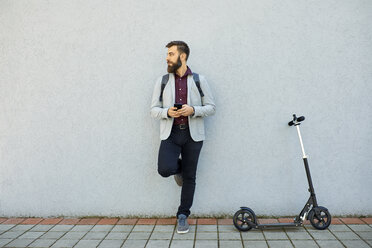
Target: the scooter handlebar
pixel 296 120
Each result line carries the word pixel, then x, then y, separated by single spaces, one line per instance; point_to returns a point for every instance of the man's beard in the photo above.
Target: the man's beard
pixel 173 68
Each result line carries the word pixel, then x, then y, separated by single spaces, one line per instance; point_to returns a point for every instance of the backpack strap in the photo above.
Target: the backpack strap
pixel 197 82
pixel 164 82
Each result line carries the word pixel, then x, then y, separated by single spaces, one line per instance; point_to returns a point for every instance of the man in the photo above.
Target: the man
pixel 181 130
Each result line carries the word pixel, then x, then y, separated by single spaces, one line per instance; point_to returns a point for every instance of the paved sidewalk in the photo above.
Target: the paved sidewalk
pixel 98 232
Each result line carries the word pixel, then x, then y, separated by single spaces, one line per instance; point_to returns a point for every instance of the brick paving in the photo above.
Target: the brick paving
pixel 149 233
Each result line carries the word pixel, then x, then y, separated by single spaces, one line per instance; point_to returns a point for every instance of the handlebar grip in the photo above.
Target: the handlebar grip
pixel 301 118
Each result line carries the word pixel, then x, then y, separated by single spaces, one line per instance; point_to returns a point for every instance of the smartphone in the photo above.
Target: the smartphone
pixel 178 105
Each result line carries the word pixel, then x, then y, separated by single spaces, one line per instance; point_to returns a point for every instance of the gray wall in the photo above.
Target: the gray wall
pixel 76 78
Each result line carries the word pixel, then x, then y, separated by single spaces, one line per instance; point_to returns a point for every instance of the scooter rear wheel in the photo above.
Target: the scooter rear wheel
pixel 242 218
pixel 320 218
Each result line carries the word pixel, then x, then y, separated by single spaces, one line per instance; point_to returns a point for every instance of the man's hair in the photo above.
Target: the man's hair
pixel 182 47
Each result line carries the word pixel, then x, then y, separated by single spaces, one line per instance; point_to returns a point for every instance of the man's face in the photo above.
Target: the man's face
pixel 173 59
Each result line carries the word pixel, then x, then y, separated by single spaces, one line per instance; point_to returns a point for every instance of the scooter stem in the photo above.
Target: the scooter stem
pixel 302 144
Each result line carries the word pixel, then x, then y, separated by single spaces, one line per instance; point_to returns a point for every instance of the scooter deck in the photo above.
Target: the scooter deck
pixel 276 225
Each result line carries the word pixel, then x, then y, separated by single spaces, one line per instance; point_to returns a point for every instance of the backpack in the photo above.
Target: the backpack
pixel 165 79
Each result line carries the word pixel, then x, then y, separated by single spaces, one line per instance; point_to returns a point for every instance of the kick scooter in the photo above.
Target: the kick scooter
pixel 245 219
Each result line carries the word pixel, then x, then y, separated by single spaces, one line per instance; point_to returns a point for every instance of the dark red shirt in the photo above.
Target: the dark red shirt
pixel 181 95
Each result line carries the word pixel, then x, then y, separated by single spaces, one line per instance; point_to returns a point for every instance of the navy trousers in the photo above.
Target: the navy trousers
pixel 180 142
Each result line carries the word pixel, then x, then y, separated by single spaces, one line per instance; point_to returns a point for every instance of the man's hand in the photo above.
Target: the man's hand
pixel 186 110
pixel 172 112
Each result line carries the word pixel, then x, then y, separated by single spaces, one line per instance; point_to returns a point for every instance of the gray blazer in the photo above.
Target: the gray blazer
pixel 204 106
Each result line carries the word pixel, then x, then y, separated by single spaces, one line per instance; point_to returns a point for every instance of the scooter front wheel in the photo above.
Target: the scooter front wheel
pixel 243 219
pixel 320 218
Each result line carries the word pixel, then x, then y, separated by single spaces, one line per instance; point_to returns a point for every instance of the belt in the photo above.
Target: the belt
pixel 181 126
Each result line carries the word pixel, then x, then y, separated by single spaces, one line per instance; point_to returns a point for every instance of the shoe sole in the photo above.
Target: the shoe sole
pixel 178 182
pixel 186 231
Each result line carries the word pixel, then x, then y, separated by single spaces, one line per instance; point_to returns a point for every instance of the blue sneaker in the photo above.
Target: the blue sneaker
pixel 183 225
